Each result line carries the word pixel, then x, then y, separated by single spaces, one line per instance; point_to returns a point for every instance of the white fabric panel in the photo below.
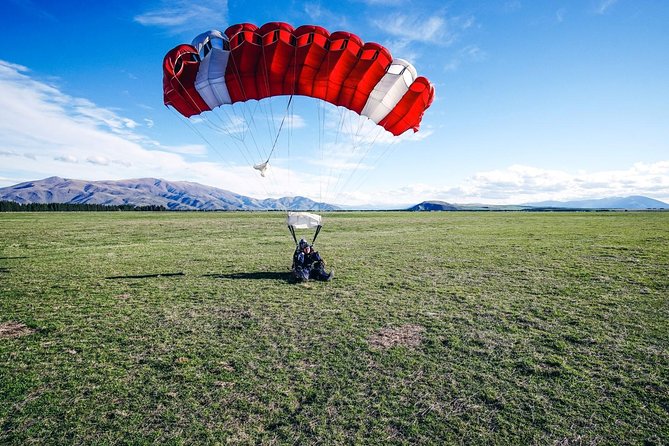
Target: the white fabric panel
pixel 390 89
pixel 262 168
pixel 303 220
pixel 210 80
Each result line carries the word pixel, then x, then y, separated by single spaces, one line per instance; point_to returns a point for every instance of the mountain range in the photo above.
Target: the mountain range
pixel 173 195
pixel 183 195
pixel 635 202
pixel 632 202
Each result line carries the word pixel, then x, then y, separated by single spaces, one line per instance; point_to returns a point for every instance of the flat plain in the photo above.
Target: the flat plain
pixel 439 328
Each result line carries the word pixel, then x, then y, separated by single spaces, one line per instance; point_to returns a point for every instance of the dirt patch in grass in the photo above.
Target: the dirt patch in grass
pixel 408 335
pixel 14 330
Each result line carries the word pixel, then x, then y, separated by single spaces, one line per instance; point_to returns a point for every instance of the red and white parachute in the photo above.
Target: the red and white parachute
pixel 246 63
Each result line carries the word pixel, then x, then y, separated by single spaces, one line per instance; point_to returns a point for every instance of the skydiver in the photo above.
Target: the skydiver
pixel 308 264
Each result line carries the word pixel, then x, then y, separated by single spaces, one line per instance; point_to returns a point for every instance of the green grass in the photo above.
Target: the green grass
pixel 537 328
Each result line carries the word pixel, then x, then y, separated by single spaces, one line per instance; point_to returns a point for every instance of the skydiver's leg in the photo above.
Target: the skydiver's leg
pixel 319 273
pixel 301 274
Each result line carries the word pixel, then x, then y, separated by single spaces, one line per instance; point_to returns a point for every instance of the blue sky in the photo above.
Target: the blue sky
pixel 535 100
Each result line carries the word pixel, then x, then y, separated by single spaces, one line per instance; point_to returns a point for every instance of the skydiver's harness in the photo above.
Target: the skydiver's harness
pixel 291 228
pixel 313 260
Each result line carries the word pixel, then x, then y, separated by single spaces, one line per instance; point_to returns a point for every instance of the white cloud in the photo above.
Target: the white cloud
pixel 520 184
pixel 31 8
pixel 190 149
pixel 560 15
pixel 98 160
pixel 433 28
pixel 326 17
pixel 86 111
pixel 67 158
pixel 470 53
pixel 385 2
pixel 604 6
pixel 293 122
pixel 174 14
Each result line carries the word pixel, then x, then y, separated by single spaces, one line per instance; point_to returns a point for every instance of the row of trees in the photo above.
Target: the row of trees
pixel 12 206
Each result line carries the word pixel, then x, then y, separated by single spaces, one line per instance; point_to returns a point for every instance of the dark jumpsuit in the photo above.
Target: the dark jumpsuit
pixel 309 266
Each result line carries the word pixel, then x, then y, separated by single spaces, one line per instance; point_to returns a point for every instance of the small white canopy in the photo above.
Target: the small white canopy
pixel 304 220
pixel 262 168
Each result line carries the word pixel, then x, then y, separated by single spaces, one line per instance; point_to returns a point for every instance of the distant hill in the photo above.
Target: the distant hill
pixel 628 203
pixel 433 206
pixel 444 206
pixel 173 195
pixel 635 202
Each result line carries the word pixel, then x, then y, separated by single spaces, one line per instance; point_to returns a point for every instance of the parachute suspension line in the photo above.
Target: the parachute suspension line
pixel 358 146
pixel 280 127
pixel 329 173
pixel 320 109
pixel 341 170
pixel 318 230
pixel 321 164
pixel 289 113
pixel 292 232
pixel 290 139
pixel 379 132
pixel 195 130
pixel 388 149
pixel 340 126
pixel 248 120
pixel 271 124
pixel 356 143
pixel 361 158
pixel 206 119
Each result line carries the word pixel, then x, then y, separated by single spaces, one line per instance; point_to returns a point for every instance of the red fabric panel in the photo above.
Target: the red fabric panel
pixel 361 80
pixel 340 59
pixel 245 52
pixel 409 111
pixel 311 48
pixel 278 50
pixel 180 67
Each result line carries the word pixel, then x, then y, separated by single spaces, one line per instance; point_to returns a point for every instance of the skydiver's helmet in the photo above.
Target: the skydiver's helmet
pixel 302 244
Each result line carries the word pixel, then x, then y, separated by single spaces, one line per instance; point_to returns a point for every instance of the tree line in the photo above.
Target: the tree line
pixel 12 206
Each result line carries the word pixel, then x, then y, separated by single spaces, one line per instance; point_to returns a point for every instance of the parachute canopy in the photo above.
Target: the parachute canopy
pixel 304 220
pixel 248 62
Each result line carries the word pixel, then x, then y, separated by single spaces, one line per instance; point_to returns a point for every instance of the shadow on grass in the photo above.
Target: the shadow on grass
pixel 258 275
pixel 146 276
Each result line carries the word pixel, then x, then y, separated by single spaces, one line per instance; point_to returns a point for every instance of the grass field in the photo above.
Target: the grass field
pixel 439 328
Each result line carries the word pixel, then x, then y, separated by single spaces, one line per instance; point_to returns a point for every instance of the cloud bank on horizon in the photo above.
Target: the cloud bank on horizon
pixel 47 130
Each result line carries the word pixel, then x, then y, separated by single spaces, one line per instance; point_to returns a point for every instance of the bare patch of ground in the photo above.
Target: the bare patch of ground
pixel 408 335
pixel 14 330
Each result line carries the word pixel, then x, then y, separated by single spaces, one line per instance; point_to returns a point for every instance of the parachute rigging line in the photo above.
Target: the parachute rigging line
pixel 280 127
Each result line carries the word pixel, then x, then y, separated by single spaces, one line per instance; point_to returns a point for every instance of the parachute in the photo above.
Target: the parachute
pixel 304 220
pixel 247 64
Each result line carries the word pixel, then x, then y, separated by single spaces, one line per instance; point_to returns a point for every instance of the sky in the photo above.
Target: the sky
pixel 535 100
